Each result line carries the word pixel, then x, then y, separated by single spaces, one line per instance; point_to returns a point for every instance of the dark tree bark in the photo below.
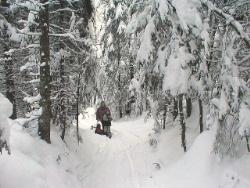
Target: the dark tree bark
pixel 201 116
pixel 175 109
pixel 248 145
pixel 189 106
pixel 45 79
pixel 183 124
pixel 131 67
pixel 62 92
pixel 4 3
pixel 119 79
pixel 88 8
pixel 77 108
pixel 120 97
pixel 164 116
pixel 8 62
pixel 62 99
pixel 9 81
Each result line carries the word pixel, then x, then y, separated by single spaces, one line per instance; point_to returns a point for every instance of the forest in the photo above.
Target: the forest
pixel 175 75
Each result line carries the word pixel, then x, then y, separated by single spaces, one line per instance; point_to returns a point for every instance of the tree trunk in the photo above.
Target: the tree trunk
pixel 201 116
pixel 175 109
pixel 120 97
pixel 248 145
pixel 164 116
pixel 62 92
pixel 131 67
pixel 77 108
pixel 189 106
pixel 62 103
pixel 182 122
pixel 119 79
pixel 45 79
pixel 9 81
pixel 8 63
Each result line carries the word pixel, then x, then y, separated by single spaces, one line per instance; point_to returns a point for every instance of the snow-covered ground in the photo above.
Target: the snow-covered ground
pixel 125 161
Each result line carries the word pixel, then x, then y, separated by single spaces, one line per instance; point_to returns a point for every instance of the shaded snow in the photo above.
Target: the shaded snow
pixel 35 164
pixel 125 161
pixel 244 120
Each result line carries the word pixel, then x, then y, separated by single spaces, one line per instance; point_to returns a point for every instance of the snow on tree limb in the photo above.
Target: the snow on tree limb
pixel 230 20
pixel 63 9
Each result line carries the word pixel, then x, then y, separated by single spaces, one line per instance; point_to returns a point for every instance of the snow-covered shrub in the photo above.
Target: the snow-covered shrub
pixel 244 119
pixel 153 140
pixel 5 112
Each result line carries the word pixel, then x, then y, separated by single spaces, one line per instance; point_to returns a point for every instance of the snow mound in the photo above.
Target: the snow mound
pixel 244 120
pixel 5 112
pixel 199 168
pixel 35 164
pixel 5 107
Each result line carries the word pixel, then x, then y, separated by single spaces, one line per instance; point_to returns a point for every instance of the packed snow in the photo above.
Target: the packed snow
pixel 155 51
pixel 126 160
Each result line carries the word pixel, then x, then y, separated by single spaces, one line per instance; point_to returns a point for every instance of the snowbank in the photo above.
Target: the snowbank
pixel 244 120
pixel 5 113
pixel 36 164
pixel 127 160
pixel 192 170
pixel 199 168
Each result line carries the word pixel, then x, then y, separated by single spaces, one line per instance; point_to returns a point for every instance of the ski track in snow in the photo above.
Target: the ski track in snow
pixel 113 162
pixel 131 165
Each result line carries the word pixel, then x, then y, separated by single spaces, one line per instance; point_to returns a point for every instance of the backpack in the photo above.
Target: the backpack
pixel 98 129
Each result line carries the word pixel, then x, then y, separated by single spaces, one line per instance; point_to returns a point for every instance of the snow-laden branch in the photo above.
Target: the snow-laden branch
pixel 2 17
pixel 69 35
pixel 62 10
pixel 29 33
pixel 65 35
pixel 230 20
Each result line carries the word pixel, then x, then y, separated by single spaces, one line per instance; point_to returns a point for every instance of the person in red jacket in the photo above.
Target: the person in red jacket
pixel 103 115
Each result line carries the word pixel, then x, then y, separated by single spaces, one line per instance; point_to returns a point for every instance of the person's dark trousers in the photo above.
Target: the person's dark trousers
pixel 106 128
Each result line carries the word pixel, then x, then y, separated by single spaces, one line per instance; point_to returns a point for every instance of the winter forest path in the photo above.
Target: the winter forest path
pixel 127 161
pixel 120 162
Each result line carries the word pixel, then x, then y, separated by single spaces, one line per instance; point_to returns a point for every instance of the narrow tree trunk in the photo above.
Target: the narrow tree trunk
pixel 201 116
pixel 182 122
pixel 131 67
pixel 77 108
pixel 164 116
pixel 8 63
pixel 175 109
pixel 62 93
pixel 248 146
pixel 213 24
pixel 62 103
pixel 9 82
pixel 45 79
pixel 119 80
pixel 120 97
pixel 189 106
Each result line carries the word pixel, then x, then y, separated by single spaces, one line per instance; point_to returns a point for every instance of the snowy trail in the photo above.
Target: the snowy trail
pixel 119 162
pixel 127 160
